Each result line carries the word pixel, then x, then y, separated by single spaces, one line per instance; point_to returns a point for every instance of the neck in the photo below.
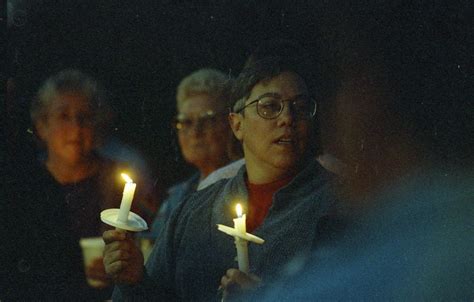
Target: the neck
pixel 71 172
pixel 263 175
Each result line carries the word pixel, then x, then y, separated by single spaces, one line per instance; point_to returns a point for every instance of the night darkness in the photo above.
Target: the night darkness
pixel 140 52
pixel 385 68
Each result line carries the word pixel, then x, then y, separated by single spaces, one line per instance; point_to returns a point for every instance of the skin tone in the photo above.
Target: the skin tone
pixel 205 149
pixel 69 136
pixel 274 149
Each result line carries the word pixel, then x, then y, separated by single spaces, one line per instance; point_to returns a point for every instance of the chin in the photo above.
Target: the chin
pixel 287 163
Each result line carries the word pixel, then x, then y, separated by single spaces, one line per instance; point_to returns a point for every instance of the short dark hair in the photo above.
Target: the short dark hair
pixel 271 59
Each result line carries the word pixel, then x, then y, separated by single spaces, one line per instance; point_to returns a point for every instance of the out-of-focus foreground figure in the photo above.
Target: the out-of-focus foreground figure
pixel 405 113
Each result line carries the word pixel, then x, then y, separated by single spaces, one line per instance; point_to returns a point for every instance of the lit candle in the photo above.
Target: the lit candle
pixel 240 243
pixel 127 198
pixel 239 232
pixel 240 221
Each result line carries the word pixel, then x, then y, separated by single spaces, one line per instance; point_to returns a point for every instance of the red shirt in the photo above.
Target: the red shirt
pixel 260 201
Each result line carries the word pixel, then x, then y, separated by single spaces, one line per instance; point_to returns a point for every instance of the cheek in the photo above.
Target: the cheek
pixel 304 132
pixel 182 141
pixel 215 141
pixel 56 135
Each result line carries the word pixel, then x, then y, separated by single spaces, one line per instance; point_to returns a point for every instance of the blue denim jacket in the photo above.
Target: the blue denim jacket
pixel 191 255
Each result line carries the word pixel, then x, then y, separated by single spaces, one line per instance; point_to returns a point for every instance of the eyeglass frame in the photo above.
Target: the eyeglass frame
pixel 282 105
pixel 199 123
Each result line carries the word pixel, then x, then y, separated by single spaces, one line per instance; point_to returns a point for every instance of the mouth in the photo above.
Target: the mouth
pixel 285 141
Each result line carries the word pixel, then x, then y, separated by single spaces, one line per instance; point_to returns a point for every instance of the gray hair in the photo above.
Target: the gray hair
pixel 208 81
pixel 70 81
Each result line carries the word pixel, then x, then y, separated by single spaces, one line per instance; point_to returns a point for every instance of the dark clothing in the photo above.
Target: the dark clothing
pixel 415 244
pixel 191 256
pixel 41 257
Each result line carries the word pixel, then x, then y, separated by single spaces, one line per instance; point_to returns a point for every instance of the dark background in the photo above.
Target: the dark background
pixel 140 50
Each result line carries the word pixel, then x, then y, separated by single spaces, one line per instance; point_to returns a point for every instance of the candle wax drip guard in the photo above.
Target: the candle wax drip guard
pixel 134 223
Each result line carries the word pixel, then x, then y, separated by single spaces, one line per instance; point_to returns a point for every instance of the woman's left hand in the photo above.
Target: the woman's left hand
pixel 236 282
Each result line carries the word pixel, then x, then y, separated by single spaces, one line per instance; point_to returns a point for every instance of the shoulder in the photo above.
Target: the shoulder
pixel 187 185
pixel 225 172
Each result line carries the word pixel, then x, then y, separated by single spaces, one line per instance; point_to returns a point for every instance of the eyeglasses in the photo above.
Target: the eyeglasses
pixel 271 105
pixel 204 122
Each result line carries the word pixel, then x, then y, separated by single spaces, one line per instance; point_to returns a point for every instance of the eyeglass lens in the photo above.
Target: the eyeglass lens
pixel 270 107
pixel 204 122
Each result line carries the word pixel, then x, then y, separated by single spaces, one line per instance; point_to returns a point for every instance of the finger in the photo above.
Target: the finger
pixel 229 285
pixel 224 281
pixel 118 245
pixel 114 269
pixel 113 235
pixel 245 281
pixel 232 273
pixel 116 255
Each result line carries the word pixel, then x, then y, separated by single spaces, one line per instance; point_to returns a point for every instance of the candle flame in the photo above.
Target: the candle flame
pixel 126 178
pixel 238 209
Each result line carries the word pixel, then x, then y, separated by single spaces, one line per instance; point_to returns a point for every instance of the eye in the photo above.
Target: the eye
pixel 302 103
pixel 63 116
pixel 183 123
pixel 269 104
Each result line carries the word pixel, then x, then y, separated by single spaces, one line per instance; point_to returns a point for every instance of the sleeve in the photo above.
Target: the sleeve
pixel 158 283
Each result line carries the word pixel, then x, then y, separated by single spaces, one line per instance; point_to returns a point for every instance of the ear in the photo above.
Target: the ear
pixel 236 123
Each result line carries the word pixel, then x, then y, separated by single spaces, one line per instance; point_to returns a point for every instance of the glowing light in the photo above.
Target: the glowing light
pixel 238 209
pixel 126 178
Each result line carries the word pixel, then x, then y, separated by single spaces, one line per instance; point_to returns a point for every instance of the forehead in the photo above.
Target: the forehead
pixel 70 101
pixel 198 104
pixel 286 84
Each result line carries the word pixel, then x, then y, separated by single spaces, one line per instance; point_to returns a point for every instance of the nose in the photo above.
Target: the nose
pixel 196 128
pixel 287 115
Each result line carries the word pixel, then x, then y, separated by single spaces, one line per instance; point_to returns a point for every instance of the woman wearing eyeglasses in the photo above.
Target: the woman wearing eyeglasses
pixel 204 135
pixel 286 195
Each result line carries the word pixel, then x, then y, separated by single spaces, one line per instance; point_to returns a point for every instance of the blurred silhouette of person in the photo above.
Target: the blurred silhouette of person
pixel 405 112
pixel 73 185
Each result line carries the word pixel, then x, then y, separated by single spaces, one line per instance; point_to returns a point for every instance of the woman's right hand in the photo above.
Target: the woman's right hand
pixel 123 260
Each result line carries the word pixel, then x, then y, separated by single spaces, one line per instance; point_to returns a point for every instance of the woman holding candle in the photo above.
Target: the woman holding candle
pixel 285 194
pixel 68 114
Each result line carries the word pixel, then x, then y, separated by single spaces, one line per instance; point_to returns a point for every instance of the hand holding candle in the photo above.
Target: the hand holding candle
pixel 241 238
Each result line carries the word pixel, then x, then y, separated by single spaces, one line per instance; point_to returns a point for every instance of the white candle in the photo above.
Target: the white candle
pixel 127 198
pixel 241 244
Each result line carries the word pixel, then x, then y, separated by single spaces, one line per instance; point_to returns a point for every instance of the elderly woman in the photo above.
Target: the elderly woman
pixel 204 135
pixel 285 193
pixel 68 113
